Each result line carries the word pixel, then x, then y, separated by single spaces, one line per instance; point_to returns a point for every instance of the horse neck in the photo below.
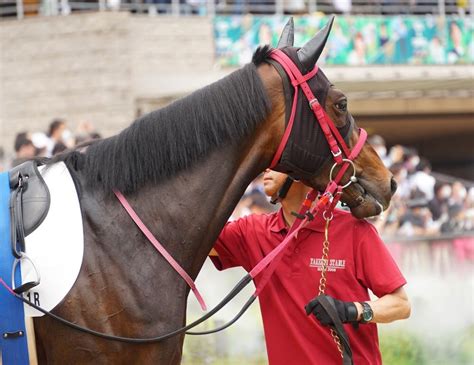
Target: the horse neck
pixel 190 209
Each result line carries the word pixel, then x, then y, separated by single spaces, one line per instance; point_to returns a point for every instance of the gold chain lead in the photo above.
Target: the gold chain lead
pixel 322 281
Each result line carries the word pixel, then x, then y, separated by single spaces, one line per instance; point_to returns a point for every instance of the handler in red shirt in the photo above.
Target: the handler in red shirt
pixel 358 261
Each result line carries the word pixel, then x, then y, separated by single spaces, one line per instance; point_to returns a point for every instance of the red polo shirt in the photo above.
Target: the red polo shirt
pixel 358 259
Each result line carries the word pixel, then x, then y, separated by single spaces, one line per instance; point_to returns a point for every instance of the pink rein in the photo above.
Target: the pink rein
pixel 160 247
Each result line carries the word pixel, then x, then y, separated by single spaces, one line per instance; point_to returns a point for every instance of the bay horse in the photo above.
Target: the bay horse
pixel 183 168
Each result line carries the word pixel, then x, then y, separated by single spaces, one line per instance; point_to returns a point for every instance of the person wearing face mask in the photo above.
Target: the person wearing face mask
pixel 58 134
pixel 422 181
pixel 295 323
pixel 411 161
pixel 378 144
pixel 440 203
pixel 400 175
pixel 24 149
pixel 459 193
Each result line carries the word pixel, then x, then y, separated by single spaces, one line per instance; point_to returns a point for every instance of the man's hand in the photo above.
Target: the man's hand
pixel 346 311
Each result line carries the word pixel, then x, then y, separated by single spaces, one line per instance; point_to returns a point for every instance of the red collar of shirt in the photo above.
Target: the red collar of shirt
pixel 279 225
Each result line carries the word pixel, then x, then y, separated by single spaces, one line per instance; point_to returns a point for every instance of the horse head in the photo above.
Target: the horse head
pixel 306 155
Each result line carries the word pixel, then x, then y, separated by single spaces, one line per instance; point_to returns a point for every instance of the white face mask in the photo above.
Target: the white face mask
pixel 402 175
pixel 461 193
pixel 414 161
pixel 470 194
pixel 445 192
pixel 66 135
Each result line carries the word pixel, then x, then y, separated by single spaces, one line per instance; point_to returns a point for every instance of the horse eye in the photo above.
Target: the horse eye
pixel 342 105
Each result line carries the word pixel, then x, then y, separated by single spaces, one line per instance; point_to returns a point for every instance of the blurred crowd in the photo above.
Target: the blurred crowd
pixel 421 206
pixel 57 138
pixel 299 7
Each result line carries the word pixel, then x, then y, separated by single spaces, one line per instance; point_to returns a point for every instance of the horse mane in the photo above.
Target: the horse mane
pixel 261 55
pixel 169 140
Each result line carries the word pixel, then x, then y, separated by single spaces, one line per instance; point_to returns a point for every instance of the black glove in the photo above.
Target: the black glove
pixel 347 311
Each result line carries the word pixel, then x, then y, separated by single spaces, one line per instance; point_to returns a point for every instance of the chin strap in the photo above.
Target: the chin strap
pixel 283 190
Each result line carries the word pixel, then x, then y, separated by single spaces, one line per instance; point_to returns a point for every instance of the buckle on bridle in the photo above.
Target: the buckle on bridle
pixel 336 154
pixel 313 101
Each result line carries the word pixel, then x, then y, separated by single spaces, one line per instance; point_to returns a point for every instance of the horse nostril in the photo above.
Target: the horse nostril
pixel 393 185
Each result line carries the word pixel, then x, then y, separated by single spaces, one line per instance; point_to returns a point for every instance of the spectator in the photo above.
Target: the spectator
pixel 259 204
pixel 86 132
pixel 400 175
pixel 458 194
pixel 396 154
pixel 342 6
pixel 422 180
pixel 242 208
pixel 58 148
pixel 58 133
pixel 439 204
pixel 418 220
pixel 388 222
pixel 24 149
pixel 469 208
pixel 294 6
pixel 41 142
pixel 411 160
pixel 378 144
pixel 456 220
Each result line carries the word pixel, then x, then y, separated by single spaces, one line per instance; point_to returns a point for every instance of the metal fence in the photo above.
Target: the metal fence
pixel 22 8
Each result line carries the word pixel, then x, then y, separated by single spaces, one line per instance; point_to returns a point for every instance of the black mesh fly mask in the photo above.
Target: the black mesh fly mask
pixel 306 149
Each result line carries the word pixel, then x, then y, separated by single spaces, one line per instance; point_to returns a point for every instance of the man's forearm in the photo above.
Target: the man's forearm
pixel 389 308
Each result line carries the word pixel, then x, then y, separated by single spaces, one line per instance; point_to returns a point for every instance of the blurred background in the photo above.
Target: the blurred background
pixel 72 71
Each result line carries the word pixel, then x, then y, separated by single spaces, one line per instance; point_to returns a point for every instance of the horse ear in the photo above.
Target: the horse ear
pixel 310 52
pixel 287 35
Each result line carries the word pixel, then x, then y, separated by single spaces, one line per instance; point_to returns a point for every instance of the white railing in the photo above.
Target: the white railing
pixel 21 8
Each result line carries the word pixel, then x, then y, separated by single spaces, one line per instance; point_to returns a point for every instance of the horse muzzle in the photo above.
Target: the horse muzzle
pixel 366 200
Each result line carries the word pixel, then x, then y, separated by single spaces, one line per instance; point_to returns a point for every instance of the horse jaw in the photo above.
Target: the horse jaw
pixel 367 197
pixel 363 203
pixel 371 194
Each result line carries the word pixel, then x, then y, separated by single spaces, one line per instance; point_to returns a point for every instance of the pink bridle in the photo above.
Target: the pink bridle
pixel 330 131
pixel 333 191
